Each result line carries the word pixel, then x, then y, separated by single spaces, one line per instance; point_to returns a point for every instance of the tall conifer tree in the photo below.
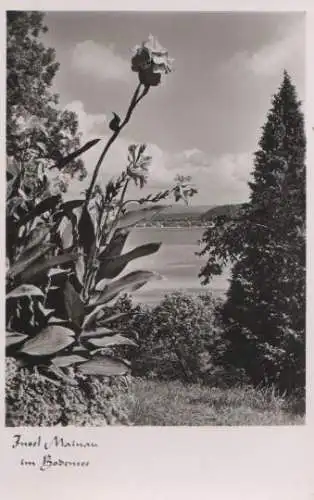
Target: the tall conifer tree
pixel 264 312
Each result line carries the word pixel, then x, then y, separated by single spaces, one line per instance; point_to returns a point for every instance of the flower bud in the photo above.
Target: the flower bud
pixel 149 78
pixel 150 61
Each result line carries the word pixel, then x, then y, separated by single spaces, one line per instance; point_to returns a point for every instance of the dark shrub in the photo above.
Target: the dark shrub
pixel 34 401
pixel 180 338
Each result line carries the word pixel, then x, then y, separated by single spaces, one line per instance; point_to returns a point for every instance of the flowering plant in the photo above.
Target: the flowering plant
pixel 150 61
pixel 66 259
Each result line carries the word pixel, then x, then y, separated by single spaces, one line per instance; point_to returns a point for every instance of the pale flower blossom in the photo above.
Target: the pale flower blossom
pixel 150 61
pixel 138 164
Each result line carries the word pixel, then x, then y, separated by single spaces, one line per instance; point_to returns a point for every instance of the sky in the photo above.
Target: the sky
pixel 205 119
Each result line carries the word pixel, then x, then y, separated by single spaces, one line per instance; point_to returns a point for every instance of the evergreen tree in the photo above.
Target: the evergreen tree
pixel 264 312
pixel 37 130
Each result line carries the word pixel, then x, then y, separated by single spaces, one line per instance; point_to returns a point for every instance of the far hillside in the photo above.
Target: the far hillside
pixel 230 210
pixel 186 216
pixel 179 216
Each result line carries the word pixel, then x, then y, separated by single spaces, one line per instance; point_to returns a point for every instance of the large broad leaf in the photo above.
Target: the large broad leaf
pixel 91 317
pixel 73 304
pixel 22 290
pixel 134 216
pixel 67 159
pixel 71 205
pixel 37 236
pixel 80 350
pixel 111 267
pixel 42 207
pixel 54 320
pixel 116 244
pixel 68 360
pixel 98 332
pixel 56 271
pixel 66 230
pixel 86 231
pixel 113 318
pixel 12 338
pixel 128 283
pixel 41 267
pixel 114 340
pixel 80 269
pixel 52 339
pixel 104 365
pixel 28 259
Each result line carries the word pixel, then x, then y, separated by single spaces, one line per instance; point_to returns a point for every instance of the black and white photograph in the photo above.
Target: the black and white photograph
pixel 155 218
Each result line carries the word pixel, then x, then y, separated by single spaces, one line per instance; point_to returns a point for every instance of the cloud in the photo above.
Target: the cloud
pixel 93 126
pixel 100 61
pixel 286 52
pixel 89 123
pixel 192 157
pixel 219 179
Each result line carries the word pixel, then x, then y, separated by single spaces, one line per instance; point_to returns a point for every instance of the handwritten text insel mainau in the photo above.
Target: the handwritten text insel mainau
pixel 57 442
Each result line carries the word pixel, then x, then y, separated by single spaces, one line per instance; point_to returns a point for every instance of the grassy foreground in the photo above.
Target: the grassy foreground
pixel 173 403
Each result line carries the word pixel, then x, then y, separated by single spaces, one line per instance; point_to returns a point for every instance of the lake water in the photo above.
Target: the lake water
pixel 175 261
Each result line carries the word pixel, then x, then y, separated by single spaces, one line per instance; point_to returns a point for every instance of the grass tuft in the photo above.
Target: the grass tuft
pixel 174 403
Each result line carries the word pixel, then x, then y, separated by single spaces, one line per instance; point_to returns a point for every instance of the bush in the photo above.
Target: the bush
pixel 178 339
pixel 32 400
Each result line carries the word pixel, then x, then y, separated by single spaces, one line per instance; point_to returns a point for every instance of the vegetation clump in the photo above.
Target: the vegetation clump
pixel 65 259
pixel 32 400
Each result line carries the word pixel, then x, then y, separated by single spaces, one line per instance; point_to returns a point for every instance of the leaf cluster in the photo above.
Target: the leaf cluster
pixel 66 269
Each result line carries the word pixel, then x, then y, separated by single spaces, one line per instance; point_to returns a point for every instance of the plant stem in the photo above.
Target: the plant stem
pixel 134 101
pixel 114 223
pixel 120 206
